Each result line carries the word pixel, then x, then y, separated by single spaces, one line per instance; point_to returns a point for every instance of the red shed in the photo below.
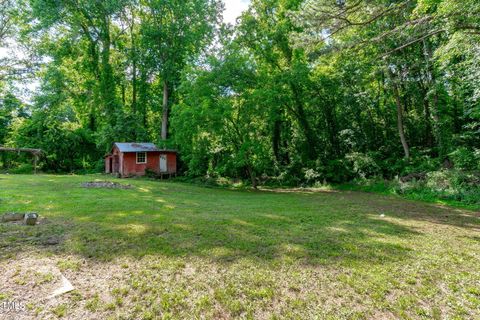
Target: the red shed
pixel 132 159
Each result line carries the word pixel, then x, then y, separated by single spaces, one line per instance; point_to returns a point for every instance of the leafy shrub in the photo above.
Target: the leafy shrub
pixel 285 178
pixel 466 159
pixel 99 166
pixel 445 184
pixel 24 168
pixel 150 173
pixel 363 165
pixel 419 162
pixel 311 175
pixel 336 171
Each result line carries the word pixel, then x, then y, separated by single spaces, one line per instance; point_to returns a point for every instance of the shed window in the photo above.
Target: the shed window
pixel 141 157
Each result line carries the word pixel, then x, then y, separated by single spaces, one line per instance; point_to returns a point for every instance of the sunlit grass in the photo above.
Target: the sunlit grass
pixel 165 249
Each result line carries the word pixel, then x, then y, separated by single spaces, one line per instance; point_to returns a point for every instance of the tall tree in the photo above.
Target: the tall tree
pixel 175 31
pixel 265 30
pixel 95 22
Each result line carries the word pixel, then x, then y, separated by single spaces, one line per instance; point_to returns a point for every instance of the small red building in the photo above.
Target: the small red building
pixel 133 159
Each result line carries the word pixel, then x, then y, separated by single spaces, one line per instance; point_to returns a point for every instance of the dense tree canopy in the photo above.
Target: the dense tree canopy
pixel 296 92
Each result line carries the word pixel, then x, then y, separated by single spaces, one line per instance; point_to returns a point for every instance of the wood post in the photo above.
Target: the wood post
pixel 35 158
pixel 35 152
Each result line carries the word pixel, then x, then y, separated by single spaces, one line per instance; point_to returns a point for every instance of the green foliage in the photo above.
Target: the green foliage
pixel 150 173
pixel 67 147
pixel 330 120
pixel 363 165
pixel 103 65
pixel 297 93
pixel 336 171
pixel 453 187
pixel 445 185
pixel 466 159
pixel 420 162
pixel 24 168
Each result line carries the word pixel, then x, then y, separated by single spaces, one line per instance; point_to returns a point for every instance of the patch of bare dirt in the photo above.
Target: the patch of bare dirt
pixel 32 281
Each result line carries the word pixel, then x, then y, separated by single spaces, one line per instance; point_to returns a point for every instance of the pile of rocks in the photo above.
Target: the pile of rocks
pixel 29 218
pixel 106 184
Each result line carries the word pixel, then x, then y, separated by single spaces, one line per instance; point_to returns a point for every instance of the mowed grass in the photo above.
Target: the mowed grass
pixel 166 250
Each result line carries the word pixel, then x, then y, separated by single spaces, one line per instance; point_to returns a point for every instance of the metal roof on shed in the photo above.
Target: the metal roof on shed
pixel 138 147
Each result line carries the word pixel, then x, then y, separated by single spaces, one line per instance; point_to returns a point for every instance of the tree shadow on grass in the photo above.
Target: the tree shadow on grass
pixel 224 242
pixel 225 226
pixel 420 211
pixel 224 236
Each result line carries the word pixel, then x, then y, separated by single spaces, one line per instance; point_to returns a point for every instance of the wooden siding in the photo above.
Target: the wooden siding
pixel 125 163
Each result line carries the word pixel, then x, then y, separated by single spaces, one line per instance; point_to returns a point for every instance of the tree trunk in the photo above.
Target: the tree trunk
pixel 432 84
pixel 165 112
pixel 253 178
pixel 401 130
pixel 107 81
pixel 428 123
pixel 94 68
pixel 123 94
pixel 276 136
pixel 134 68
pixel 303 121
pixel 91 120
pixel 428 136
pixel 35 160
pixel 134 87
pixel 331 124
pixel 4 161
pixel 142 94
pixel 438 131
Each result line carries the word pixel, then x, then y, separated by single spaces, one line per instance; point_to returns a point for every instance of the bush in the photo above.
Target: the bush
pixel 445 184
pixel 466 159
pixel 24 168
pixel 311 176
pixel 99 166
pixel 285 178
pixel 363 165
pixel 419 162
pixel 336 171
pixel 150 173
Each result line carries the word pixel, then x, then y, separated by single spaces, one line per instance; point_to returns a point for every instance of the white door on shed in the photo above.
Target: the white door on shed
pixel 163 163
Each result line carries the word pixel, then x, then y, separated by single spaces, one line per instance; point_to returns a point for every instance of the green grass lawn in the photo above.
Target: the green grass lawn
pixel 173 250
